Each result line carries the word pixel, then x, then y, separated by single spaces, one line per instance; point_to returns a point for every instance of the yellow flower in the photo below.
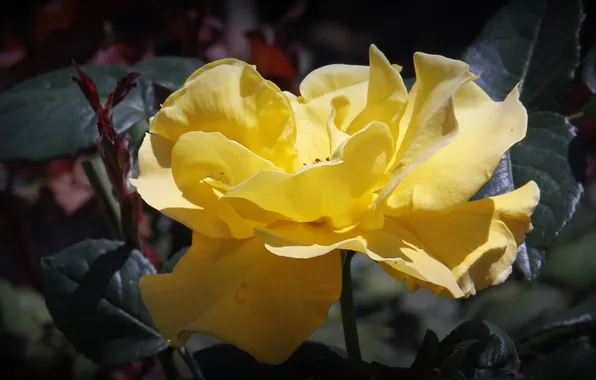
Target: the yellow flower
pixel 273 185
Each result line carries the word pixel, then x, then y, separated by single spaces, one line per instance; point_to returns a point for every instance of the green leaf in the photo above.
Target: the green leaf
pixel 427 353
pixel 574 360
pixel 540 157
pixel 310 361
pixel 589 70
pixel 497 350
pixel 459 356
pixel 583 221
pixel 474 350
pixel 169 266
pixel 48 117
pixel 533 43
pixel 91 290
pixel 500 351
pixel 169 72
pixel 161 76
pixel 561 327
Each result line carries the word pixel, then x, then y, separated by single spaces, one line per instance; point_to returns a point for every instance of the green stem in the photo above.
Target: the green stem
pixel 348 312
pixel 575 116
pixel 98 178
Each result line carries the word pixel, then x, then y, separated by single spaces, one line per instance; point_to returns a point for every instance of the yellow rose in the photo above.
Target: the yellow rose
pixel 273 185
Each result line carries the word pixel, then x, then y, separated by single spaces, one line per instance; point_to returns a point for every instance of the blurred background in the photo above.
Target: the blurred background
pixel 46 207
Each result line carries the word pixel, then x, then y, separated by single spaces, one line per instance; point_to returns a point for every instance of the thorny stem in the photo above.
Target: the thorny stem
pixel 348 312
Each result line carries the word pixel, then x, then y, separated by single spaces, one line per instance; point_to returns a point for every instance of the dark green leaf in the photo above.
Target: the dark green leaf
pixel 497 374
pixel 161 76
pixel 533 43
pixel 169 72
pixel 461 356
pixel 92 292
pixel 589 69
pixel 474 350
pixel 501 181
pixel 500 351
pixel 496 350
pixel 469 330
pixel 173 260
pixel 48 117
pixel 574 360
pixel 529 260
pixel 310 361
pixel 562 327
pixel 583 221
pixel 427 353
pixel 540 157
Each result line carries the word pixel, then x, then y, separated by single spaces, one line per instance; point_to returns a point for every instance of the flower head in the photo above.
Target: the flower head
pixel 273 185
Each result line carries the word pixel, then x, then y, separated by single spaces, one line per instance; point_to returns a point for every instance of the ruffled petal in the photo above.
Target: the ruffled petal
pixel 305 240
pixel 386 95
pixel 157 187
pixel 338 190
pixel 230 97
pixel 199 155
pixel 397 250
pixel 487 130
pixel 413 262
pixel 457 251
pixel 430 102
pixel 368 94
pixel 332 81
pixel 236 290
pixel 477 240
pixel 312 139
pixel 428 125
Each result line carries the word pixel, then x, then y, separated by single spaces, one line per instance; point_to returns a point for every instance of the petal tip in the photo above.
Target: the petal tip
pixel 373 49
pixel 532 190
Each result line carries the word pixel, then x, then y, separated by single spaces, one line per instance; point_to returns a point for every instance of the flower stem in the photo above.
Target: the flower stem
pixel 98 179
pixel 576 116
pixel 348 312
